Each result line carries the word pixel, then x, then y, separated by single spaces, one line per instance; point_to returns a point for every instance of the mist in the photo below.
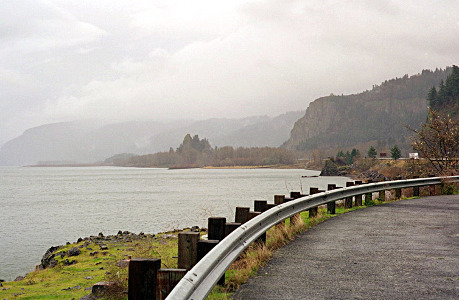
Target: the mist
pixel 155 60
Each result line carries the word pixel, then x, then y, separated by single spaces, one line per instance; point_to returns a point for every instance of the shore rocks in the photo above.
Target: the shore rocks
pixel 74 251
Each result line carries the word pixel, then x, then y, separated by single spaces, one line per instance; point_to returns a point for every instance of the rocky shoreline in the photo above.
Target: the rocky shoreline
pixel 48 260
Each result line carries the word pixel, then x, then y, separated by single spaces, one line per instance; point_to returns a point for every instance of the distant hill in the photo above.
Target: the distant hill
pixel 89 141
pixel 377 116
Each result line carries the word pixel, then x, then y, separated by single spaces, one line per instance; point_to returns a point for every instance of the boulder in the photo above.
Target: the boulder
pixel 74 251
pixel 19 278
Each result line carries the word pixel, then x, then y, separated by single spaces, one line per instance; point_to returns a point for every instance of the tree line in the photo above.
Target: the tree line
pixel 195 152
pixel 448 92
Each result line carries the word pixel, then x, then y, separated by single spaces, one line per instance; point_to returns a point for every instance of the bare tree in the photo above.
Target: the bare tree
pixel 438 141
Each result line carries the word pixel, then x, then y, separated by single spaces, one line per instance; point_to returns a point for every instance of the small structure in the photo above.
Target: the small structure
pixel 413 155
pixel 383 155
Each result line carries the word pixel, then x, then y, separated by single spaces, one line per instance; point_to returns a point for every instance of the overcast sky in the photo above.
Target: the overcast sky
pixel 137 60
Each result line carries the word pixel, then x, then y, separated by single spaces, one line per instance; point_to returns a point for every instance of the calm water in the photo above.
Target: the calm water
pixel 42 207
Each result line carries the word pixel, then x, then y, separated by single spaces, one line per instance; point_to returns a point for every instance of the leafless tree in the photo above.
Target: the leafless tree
pixel 438 141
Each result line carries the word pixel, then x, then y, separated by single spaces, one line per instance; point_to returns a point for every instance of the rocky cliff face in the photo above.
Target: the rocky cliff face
pixel 380 115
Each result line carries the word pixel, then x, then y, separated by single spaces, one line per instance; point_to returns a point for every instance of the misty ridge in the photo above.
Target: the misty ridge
pixel 92 141
pixel 373 117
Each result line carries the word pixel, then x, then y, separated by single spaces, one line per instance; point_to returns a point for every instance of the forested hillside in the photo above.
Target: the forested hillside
pixel 379 116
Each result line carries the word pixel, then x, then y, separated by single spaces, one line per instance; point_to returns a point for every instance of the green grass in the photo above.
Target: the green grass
pixel 51 283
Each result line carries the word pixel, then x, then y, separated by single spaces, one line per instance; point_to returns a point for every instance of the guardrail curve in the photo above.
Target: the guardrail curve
pixel 199 281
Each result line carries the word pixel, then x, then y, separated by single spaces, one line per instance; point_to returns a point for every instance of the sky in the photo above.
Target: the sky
pixel 118 60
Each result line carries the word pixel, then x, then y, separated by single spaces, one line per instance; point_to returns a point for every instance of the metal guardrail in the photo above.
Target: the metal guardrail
pixel 200 280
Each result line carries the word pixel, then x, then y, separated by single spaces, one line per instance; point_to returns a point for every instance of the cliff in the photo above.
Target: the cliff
pixel 379 115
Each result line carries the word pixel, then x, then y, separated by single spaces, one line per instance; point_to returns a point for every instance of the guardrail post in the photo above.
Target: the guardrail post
pixel 398 193
pixel 230 227
pixel 314 210
pixel 142 282
pixel 167 280
pixel 358 198
pixel 348 200
pixel 242 214
pixel 216 228
pixel 331 206
pixel 187 249
pixel 270 205
pixel 279 199
pixel 260 205
pixel 204 247
pixel 416 191
pixel 369 196
pixel 296 217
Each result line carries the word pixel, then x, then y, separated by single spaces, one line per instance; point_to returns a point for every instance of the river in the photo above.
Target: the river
pixel 44 207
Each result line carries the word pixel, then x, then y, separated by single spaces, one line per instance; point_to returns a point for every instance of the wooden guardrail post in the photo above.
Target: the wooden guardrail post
pixel 230 227
pixel 187 249
pixel 242 214
pixel 279 199
pixel 270 205
pixel 296 217
pixel 358 198
pixel 313 211
pixel 204 247
pixel 142 281
pixel 369 196
pixel 398 193
pixel 260 205
pixel 216 228
pixel 382 195
pixel 348 200
pixel 167 280
pixel 331 206
pixel 416 191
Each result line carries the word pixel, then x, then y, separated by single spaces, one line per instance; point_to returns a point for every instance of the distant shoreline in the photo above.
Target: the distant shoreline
pixel 295 166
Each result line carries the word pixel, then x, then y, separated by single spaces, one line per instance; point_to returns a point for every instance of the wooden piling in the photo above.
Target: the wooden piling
pixel 187 249
pixel 348 200
pixel 167 280
pixel 331 206
pixel 142 281
pixel 242 214
pixel 216 228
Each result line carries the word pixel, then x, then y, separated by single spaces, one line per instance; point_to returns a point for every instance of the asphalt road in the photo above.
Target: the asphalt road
pixel 402 250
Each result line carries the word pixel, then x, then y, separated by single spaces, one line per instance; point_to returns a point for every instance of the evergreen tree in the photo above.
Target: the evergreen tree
pixel 432 97
pixel 372 152
pixel 395 153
